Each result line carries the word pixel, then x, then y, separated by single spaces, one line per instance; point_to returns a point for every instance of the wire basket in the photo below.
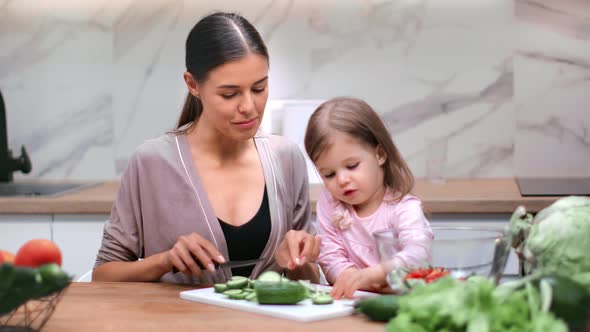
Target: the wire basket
pixel 31 315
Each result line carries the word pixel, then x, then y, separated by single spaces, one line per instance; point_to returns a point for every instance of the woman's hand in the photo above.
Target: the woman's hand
pixel 189 249
pixel 297 248
pixel 352 279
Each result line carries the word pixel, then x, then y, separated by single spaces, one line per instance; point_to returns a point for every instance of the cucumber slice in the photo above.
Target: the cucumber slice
pixel 235 294
pixel 322 299
pixel 251 297
pixel 239 296
pixel 235 278
pixel 270 276
pixel 237 282
pixel 220 288
pixel 232 292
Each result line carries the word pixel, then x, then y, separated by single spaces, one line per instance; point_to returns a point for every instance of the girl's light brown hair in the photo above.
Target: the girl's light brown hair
pixel 356 118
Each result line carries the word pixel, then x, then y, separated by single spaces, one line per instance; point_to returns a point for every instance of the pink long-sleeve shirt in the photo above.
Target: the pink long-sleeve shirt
pixel 355 246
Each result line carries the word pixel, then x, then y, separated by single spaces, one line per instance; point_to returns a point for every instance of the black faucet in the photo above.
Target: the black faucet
pixel 7 163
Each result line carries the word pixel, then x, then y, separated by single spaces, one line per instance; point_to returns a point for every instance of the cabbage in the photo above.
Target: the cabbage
pixel 556 240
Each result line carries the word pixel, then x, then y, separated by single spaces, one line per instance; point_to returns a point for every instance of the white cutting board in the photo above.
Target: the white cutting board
pixel 303 311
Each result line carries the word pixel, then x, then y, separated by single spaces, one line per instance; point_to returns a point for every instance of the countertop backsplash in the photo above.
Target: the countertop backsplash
pixel 468 89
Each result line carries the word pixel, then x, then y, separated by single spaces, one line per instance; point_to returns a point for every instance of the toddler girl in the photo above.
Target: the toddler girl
pixel 367 188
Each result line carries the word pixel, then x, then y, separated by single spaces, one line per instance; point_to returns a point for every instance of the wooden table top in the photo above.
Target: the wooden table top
pixel 132 307
pixel 449 196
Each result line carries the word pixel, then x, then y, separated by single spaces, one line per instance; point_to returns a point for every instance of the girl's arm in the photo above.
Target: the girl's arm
pixel 415 233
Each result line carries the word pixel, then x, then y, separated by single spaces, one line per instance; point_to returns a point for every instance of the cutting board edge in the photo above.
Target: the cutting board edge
pixel 195 296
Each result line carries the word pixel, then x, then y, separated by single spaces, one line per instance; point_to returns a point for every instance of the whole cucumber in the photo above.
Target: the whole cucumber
pixel 279 292
pixel 25 286
pixel 378 308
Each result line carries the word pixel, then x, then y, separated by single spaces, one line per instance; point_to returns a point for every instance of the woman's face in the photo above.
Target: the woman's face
pixel 234 96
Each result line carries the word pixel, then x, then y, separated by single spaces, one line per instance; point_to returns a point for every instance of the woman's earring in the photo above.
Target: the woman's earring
pixel 198 96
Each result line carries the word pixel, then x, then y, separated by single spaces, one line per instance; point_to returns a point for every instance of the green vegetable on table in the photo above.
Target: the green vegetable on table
pixel 568 300
pixel 271 288
pixel 474 305
pixel 379 308
pixel 556 240
pixel 19 284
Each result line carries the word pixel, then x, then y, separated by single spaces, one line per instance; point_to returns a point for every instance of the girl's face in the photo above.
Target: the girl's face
pixel 353 172
pixel 234 96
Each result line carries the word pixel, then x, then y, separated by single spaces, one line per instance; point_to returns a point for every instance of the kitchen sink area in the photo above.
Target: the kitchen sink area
pixel 42 189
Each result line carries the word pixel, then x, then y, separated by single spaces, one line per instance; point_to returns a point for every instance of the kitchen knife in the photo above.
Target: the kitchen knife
pixel 228 264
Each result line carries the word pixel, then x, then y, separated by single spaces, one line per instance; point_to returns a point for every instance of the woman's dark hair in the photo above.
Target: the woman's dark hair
pixel 216 39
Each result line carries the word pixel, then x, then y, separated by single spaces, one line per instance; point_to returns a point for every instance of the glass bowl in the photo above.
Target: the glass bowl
pixel 456 251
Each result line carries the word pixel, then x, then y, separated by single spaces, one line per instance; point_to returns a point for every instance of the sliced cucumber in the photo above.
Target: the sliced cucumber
pixel 270 276
pixel 232 292
pixel 251 297
pixel 235 294
pixel 239 296
pixel 220 288
pixel 322 299
pixel 237 282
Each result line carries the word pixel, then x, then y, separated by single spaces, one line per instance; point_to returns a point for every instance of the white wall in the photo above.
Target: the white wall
pixel 488 88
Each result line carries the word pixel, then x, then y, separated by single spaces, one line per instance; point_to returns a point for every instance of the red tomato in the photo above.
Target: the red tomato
pixel 427 274
pixel 6 257
pixel 38 252
pixel 417 274
pixel 436 274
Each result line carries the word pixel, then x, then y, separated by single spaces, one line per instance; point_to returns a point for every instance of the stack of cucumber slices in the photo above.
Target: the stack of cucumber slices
pixel 272 288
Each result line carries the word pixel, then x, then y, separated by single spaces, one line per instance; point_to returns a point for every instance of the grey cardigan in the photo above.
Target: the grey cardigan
pixel 161 198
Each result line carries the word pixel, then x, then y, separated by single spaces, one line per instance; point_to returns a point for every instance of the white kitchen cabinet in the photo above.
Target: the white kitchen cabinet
pixel 16 229
pixel 79 237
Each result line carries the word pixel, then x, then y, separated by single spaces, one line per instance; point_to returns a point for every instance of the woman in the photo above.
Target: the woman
pixel 214 189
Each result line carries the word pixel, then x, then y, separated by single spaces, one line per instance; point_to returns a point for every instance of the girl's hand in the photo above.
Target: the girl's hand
pixel 352 279
pixel 189 249
pixel 297 248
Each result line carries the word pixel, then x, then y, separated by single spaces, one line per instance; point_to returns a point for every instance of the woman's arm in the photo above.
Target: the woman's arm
pixel 188 251
pixel 183 256
pixel 300 245
pixel 308 271
pixel 333 258
pixel 149 269
pixel 117 258
pixel 123 240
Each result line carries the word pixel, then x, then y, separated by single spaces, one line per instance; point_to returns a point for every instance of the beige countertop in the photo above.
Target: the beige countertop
pixel 127 306
pixel 450 196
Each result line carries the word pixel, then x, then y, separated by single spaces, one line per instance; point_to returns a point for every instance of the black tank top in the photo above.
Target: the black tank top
pixel 247 241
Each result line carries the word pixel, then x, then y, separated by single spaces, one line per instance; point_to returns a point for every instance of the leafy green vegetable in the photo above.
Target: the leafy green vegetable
pixel 473 305
pixel 557 239
pixel 565 298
